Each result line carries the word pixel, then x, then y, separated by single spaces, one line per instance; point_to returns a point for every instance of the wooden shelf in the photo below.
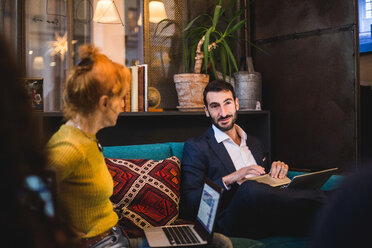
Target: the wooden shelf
pixel 163 113
pixel 168 126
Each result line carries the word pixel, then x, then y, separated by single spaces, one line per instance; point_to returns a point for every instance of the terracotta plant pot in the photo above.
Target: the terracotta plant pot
pixel 190 87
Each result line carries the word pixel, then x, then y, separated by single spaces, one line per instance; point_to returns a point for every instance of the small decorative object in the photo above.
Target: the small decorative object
pixel 153 97
pixel 248 88
pixel 258 105
pixel 35 90
pixel 60 46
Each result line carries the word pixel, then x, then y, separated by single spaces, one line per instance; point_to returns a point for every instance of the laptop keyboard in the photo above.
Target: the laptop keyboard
pixel 180 235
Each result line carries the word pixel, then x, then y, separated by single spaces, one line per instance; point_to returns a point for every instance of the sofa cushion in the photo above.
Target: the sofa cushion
pixel 177 149
pixel 157 151
pixel 146 192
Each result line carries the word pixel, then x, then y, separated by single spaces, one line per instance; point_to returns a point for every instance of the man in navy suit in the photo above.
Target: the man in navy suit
pixel 226 154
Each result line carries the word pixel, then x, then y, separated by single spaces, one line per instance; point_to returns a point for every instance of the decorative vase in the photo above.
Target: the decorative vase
pixel 248 88
pixel 190 87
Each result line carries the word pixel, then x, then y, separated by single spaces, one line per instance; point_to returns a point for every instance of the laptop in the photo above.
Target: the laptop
pixel 199 233
pixel 312 181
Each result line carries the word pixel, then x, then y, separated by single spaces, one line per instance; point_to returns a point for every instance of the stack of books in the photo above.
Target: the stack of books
pixel 136 98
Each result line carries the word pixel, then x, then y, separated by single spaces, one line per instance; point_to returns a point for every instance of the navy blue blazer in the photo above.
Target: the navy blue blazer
pixel 204 157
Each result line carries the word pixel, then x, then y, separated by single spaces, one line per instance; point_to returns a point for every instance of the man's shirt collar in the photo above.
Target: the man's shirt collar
pixel 222 136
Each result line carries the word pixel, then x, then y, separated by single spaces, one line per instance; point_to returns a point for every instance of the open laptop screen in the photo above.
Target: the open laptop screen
pixel 208 207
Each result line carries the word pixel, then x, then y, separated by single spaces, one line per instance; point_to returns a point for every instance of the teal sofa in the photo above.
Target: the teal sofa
pixel 161 151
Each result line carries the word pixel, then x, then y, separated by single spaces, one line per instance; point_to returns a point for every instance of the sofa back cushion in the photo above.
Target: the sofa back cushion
pixel 146 192
pixel 177 149
pixel 157 151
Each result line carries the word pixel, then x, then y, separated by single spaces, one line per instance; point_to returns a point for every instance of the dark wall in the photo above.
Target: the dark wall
pixel 137 128
pixel 366 124
pixel 309 80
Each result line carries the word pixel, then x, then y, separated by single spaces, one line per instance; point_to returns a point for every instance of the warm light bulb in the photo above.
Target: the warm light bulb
pixel 38 63
pixel 157 11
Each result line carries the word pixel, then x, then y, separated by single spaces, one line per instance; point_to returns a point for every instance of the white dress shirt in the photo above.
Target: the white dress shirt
pixel 240 155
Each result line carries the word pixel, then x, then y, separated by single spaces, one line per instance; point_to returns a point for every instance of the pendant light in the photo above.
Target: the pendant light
pixel 106 12
pixel 157 11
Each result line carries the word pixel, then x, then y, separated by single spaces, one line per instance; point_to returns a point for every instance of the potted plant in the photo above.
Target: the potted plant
pixel 207 38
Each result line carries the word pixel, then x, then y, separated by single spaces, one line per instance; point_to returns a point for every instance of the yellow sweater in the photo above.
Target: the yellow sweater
pixel 84 184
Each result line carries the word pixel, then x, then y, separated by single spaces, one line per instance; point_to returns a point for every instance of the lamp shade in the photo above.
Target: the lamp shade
pixel 38 63
pixel 106 12
pixel 157 11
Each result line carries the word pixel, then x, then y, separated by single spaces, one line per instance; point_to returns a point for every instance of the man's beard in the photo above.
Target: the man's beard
pixel 227 128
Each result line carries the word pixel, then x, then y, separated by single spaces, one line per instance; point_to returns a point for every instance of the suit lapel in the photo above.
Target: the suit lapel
pixel 255 151
pixel 220 151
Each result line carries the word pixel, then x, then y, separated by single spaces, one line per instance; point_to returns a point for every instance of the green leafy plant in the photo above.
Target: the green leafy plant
pixel 209 39
pixel 175 45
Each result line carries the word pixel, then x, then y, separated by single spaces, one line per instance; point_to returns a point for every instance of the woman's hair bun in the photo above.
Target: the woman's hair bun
pixel 88 52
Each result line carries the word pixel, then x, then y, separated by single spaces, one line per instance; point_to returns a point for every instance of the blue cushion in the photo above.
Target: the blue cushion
pixel 177 149
pixel 156 152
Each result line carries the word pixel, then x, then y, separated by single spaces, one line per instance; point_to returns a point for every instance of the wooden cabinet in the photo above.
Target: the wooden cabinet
pixel 171 126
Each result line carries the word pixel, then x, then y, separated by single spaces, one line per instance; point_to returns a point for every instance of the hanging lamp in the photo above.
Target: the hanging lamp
pixel 107 13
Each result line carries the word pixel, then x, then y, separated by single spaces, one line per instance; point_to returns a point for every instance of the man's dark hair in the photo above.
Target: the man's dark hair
pixel 217 86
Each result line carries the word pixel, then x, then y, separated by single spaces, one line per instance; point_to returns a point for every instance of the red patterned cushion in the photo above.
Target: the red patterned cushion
pixel 146 192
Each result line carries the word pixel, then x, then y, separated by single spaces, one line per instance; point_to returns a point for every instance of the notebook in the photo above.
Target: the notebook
pixel 198 233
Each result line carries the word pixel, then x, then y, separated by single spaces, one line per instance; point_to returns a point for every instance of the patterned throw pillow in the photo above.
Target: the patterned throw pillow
pixel 146 192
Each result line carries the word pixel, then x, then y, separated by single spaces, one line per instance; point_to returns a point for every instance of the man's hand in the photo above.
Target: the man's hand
pixel 255 170
pixel 279 169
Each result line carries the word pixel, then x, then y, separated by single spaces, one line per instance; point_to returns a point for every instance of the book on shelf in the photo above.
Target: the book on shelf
pixel 134 89
pixel 138 88
pixel 141 86
pixel 127 98
pixel 145 86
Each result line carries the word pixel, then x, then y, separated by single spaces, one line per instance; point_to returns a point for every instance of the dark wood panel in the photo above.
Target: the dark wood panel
pixel 309 83
pixel 366 124
pixel 274 18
